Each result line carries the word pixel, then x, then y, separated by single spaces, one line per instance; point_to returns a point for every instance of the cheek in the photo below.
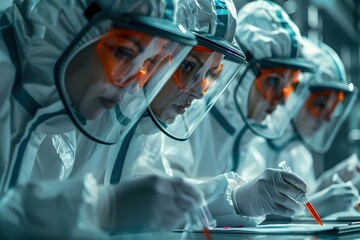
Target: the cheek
pixel 256 101
pixel 305 122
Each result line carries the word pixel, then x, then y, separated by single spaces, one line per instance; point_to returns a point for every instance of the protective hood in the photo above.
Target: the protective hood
pixel 47 31
pixel 43 30
pixel 205 72
pixel 271 42
pixel 328 101
pixel 213 17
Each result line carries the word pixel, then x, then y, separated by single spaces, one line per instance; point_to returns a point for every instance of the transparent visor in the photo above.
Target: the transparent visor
pixel 269 99
pixel 322 115
pixel 192 90
pixel 108 84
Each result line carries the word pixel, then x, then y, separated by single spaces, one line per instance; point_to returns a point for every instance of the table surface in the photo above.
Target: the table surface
pixel 227 236
pixel 217 236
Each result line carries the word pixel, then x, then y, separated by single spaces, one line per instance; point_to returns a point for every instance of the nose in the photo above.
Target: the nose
pixel 282 100
pixel 199 89
pixel 327 117
pixel 199 94
pixel 280 97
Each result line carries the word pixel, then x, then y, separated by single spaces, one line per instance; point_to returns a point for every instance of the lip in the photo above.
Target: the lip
pixel 270 109
pixel 108 103
pixel 180 109
pixel 187 105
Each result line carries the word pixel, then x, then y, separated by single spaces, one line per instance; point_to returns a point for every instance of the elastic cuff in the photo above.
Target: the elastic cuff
pixel 106 207
pixel 234 199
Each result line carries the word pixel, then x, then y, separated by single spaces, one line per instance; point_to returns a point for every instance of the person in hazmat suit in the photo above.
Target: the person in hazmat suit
pixel 328 103
pixel 193 88
pixel 197 83
pixel 72 72
pixel 263 97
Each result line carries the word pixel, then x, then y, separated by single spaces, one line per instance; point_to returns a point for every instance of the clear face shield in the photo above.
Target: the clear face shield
pixel 269 91
pixel 107 82
pixel 324 111
pixel 195 86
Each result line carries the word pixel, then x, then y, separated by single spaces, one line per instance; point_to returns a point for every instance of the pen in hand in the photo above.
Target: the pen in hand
pixel 336 178
pixel 308 205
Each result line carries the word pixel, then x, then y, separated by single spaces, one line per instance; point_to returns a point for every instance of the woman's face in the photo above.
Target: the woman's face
pixel 318 109
pixel 270 88
pixel 96 80
pixel 258 106
pixel 190 81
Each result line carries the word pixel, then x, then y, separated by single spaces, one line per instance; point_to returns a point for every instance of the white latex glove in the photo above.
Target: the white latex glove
pixel 335 198
pixel 356 182
pixel 346 169
pixel 272 192
pixel 147 203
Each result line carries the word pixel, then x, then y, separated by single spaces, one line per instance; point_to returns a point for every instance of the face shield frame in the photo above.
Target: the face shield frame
pixel 161 28
pixel 232 54
pixel 349 91
pixel 255 65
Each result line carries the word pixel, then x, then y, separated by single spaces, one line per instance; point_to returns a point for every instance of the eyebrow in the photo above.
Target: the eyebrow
pixel 135 42
pixel 196 58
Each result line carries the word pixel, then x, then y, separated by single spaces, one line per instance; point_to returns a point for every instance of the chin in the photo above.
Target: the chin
pixel 91 115
pixel 259 117
pixel 168 117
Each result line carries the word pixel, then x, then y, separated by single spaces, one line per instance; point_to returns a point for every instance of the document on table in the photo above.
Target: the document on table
pixel 292 229
pixel 337 217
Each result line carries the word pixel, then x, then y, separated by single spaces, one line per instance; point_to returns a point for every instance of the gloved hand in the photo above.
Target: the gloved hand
pixel 356 182
pixel 335 198
pixel 272 192
pixel 148 203
pixel 346 169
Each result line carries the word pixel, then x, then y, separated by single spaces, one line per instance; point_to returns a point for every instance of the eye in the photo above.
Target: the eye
pixel 187 66
pixel 319 102
pixel 272 81
pixel 123 52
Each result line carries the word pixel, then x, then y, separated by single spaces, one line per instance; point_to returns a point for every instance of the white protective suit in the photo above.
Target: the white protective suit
pixel 39 141
pixel 262 153
pixel 207 157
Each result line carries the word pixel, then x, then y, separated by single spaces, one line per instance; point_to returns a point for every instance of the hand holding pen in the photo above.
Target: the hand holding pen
pixel 307 204
pixel 338 179
pixel 274 191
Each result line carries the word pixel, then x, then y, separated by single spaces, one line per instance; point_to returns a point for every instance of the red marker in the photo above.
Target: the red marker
pixel 313 213
pixel 308 204
pixel 206 233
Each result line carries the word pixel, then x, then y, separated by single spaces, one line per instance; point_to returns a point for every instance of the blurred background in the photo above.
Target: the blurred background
pixel 337 23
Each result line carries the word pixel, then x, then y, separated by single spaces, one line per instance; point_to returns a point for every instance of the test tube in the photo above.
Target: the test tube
pixel 308 205
pixel 206 217
pixel 205 220
pixel 336 178
pixel 202 219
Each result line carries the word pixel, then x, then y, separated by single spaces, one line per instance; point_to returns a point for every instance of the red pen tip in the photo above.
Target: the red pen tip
pixel 313 213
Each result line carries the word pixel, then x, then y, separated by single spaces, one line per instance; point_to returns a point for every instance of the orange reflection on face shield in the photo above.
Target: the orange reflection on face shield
pixel 276 84
pixel 321 104
pixel 118 52
pixel 185 76
pixel 209 80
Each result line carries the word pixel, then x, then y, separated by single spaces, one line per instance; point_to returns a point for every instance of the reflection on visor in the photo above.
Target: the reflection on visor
pixel 199 70
pixel 321 104
pixel 128 56
pixel 276 84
